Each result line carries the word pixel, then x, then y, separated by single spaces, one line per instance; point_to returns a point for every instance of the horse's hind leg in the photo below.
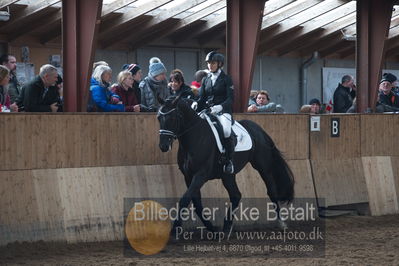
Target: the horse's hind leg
pixel 229 182
pixel 265 174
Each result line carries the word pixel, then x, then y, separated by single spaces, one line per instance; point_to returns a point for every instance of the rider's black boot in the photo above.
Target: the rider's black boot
pixel 229 144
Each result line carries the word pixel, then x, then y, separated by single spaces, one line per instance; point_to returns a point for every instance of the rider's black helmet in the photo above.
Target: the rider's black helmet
pixel 214 56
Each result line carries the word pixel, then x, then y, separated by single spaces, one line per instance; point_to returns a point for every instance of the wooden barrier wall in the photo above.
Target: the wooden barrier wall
pixel 63 177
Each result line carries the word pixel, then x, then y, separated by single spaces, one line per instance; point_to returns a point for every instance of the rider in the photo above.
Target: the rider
pixel 217 93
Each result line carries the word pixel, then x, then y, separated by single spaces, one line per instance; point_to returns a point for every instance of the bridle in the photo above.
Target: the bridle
pixel 164 132
pixel 169 133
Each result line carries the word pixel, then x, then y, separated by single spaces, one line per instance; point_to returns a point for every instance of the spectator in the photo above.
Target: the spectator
pixel 252 97
pixel 314 107
pixel 154 85
pixel 99 63
pixel 387 100
pixel 137 74
pixel 344 94
pixel 393 79
pixel 178 87
pixel 14 88
pixel 40 94
pixel 101 99
pixel 5 102
pixel 264 105
pixel 59 84
pixel 196 84
pixel 126 93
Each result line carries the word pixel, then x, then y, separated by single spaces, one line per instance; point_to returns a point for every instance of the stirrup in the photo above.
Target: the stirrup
pixel 228 168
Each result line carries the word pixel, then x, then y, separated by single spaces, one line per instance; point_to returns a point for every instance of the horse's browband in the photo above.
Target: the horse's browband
pixel 168 112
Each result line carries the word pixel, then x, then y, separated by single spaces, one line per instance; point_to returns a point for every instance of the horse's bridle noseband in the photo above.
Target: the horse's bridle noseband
pixel 165 132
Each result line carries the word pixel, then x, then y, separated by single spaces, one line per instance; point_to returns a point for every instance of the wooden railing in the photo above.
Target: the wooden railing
pixel 61 175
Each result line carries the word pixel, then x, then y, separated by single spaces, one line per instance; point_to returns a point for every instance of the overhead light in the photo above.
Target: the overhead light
pixel 5 15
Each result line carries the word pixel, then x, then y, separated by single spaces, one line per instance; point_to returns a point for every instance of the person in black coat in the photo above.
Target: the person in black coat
pixel 177 86
pixel 344 94
pixel 41 94
pixel 217 93
pixel 387 101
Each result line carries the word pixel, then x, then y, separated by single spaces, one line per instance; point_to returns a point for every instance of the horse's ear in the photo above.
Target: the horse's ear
pixel 160 100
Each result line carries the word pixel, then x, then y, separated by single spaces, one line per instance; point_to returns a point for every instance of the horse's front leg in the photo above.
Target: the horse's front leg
pixel 197 202
pixel 193 190
pixel 229 182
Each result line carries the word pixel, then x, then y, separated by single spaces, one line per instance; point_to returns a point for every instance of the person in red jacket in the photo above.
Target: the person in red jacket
pixel 126 93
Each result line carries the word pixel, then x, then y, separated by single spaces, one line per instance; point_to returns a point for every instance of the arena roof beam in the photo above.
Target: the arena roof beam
pixel 244 20
pixel 307 15
pixel 350 51
pixel 51 34
pixel 308 44
pixel 210 36
pixel 189 20
pixel 146 31
pixel 114 6
pixel 372 27
pixel 129 16
pixel 78 49
pixel 274 5
pixel 335 48
pixel 56 31
pixel 392 47
pixel 19 19
pixel 326 40
pixel 209 24
pixel 5 3
pixel 156 30
pixel 320 34
pixel 51 20
pixel 348 9
pixel 287 11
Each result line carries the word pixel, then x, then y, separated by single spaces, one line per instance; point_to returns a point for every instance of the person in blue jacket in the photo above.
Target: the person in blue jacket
pixel 101 98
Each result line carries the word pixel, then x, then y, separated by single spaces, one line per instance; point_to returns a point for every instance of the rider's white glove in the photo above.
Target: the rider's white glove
pixel 216 109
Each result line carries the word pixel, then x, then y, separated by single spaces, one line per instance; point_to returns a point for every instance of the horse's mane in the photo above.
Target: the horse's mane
pixel 183 104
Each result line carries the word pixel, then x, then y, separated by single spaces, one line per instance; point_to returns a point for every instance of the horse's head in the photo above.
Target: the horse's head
pixel 170 117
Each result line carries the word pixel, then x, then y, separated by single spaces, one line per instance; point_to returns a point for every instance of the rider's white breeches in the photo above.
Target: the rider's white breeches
pixel 225 120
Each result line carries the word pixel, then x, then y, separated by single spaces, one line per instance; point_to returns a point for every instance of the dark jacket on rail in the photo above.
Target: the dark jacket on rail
pixel 343 99
pixel 36 98
pixel 184 92
pixel 387 103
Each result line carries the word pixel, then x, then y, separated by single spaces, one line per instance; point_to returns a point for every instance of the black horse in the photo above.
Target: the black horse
pixel 199 158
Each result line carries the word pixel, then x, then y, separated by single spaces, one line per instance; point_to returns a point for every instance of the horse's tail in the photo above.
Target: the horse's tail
pixel 282 177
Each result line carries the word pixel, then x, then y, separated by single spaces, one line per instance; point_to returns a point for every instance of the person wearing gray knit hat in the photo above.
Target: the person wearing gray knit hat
pixel 156 67
pixel 154 85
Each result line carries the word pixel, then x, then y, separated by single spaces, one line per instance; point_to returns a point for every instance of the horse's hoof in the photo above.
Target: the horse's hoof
pixel 282 225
